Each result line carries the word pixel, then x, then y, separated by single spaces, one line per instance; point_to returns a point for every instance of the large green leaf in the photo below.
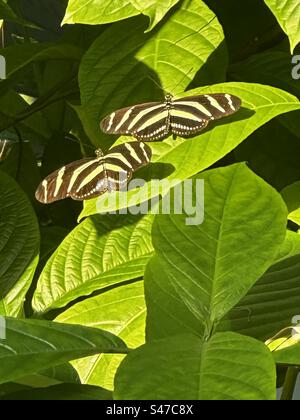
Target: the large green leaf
pixel 11 387
pixel 202 271
pixel 227 367
pixel 290 247
pixel 248 26
pixel 32 345
pixel 19 56
pixel 288 15
pixel 270 305
pixel 64 373
pixel 19 163
pixel 291 195
pixel 118 68
pixel 272 153
pixel 64 392
pixel 100 252
pixel 51 237
pixel 19 246
pixel 8 14
pixel 12 105
pixel 94 12
pixel 189 157
pixel 291 122
pixel 121 311
pixel 273 68
pixel 155 9
pixel 270 67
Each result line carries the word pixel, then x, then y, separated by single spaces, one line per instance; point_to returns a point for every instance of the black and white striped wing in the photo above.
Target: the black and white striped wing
pixel 114 171
pixel 92 177
pixel 145 122
pixel 190 115
pixel 63 182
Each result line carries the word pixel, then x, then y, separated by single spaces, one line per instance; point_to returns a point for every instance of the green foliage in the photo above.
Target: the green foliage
pixel 155 9
pixel 36 345
pixel 99 12
pixel 113 250
pixel 291 195
pixel 60 392
pixel 196 276
pixel 287 14
pixel 204 370
pixel 119 68
pixel 123 312
pixel 91 298
pixel 19 246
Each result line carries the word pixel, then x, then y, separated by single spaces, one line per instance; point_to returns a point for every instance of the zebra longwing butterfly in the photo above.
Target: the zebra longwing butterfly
pixel 90 177
pixel 184 117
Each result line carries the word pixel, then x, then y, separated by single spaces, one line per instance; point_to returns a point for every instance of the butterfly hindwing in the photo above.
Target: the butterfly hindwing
pixel 192 114
pixel 211 107
pixel 114 171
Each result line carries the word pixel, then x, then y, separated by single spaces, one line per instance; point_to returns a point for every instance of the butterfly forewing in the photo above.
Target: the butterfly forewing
pixel 185 116
pixel 91 177
pixel 192 114
pixel 129 120
pixel 59 184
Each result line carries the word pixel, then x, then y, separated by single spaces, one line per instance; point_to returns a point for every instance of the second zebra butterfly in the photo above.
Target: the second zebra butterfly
pixel 184 117
pixel 91 177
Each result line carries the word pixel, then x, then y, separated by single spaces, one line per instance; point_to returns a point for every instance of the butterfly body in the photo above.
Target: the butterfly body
pixel 184 117
pixel 91 177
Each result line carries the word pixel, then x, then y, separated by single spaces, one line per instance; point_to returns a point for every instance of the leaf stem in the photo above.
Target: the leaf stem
pixel 289 383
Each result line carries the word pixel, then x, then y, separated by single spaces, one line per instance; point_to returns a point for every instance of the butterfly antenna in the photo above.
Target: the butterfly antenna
pixel 84 145
pixel 181 80
pixel 196 32
pixel 155 82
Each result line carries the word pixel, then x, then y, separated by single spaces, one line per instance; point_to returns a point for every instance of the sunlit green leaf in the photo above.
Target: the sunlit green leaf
pixel 32 345
pixel 226 367
pixel 155 9
pixel 205 269
pixel 94 12
pixel 290 247
pixel 102 251
pixel 288 15
pixel 291 195
pixel 19 246
pixel 122 312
